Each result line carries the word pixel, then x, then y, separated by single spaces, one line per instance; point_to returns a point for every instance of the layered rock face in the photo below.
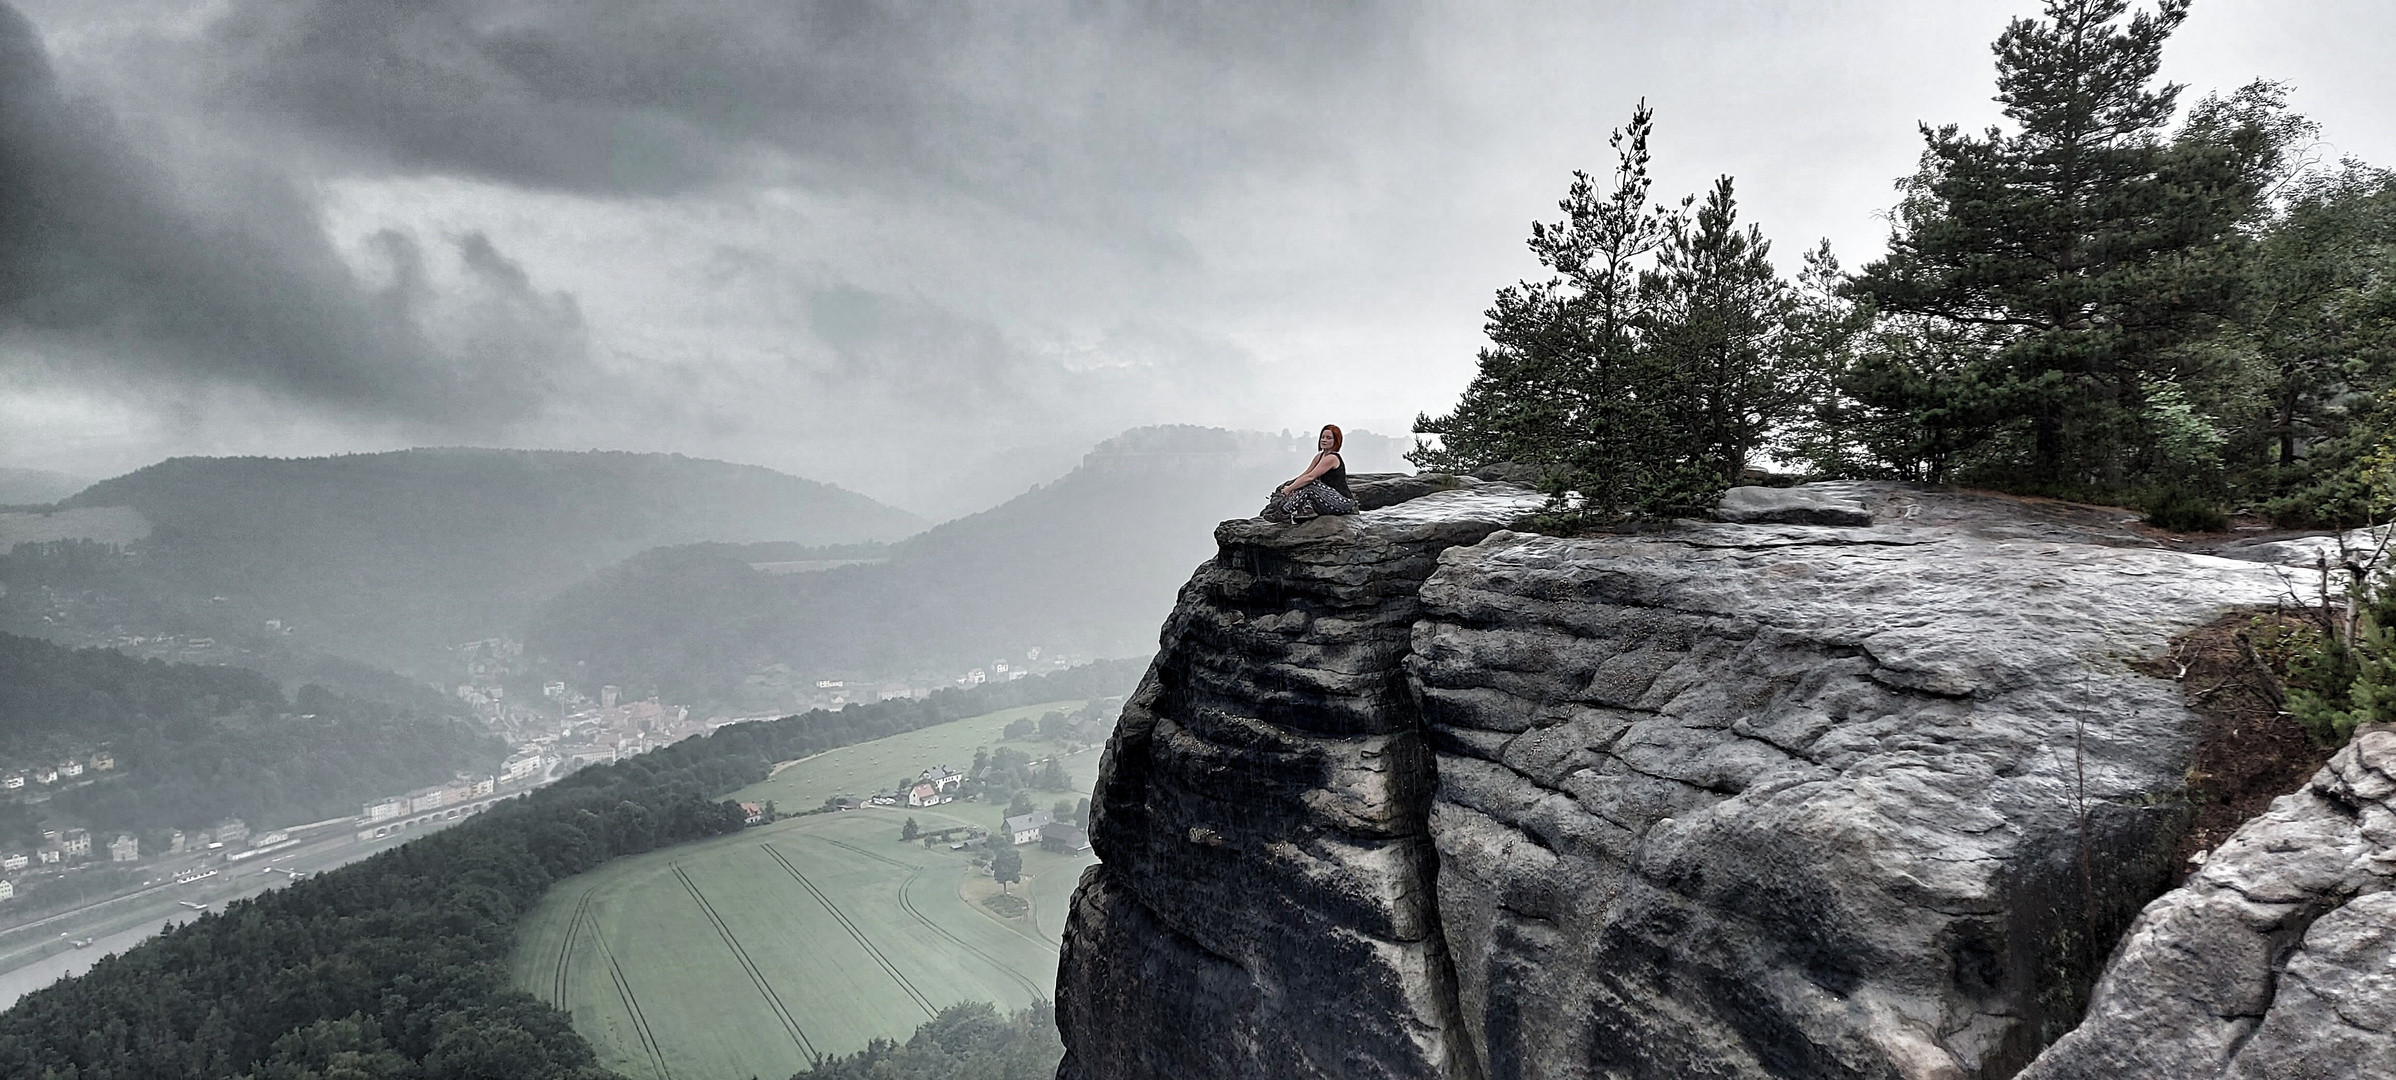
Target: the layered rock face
pixel 2276 961
pixel 1265 907
pixel 1407 795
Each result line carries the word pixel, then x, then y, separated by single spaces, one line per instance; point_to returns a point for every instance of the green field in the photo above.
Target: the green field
pixel 745 955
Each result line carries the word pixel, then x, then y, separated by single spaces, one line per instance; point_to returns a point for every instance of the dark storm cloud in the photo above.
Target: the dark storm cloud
pixel 1074 107
pixel 113 264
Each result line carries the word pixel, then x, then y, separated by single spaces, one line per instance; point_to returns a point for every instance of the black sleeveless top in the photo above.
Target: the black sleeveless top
pixel 1337 478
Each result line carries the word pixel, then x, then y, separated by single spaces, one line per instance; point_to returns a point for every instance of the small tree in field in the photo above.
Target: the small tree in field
pixel 910 830
pixel 1006 866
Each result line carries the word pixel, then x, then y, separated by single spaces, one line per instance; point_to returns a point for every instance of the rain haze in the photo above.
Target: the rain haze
pixel 893 246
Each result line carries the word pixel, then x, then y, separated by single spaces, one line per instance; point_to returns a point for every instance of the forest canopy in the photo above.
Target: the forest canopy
pixel 2113 295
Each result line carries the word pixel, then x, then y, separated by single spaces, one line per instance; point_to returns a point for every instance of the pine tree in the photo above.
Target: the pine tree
pixel 1720 375
pixel 1559 384
pixel 2061 263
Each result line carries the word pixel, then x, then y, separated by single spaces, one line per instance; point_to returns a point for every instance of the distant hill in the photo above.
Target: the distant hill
pixel 392 557
pixel 193 744
pixel 1088 564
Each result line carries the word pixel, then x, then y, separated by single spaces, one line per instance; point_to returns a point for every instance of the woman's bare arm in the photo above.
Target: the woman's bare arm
pixel 1322 464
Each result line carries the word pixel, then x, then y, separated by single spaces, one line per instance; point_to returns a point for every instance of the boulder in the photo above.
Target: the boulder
pixel 2276 960
pixel 1806 505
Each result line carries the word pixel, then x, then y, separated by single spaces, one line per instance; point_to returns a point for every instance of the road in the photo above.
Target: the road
pixel 234 881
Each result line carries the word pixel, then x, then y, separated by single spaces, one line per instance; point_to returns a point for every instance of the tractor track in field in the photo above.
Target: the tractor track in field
pixel 907 904
pixel 773 1000
pixel 565 950
pixel 857 932
pixel 632 1005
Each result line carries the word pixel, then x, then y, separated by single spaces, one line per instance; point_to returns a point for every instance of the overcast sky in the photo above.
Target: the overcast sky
pixel 885 244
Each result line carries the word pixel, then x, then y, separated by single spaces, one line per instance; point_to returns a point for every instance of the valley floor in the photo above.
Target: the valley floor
pixel 749 954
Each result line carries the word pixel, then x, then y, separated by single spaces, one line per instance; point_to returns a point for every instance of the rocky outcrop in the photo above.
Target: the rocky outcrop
pixel 2276 960
pixel 1265 907
pixel 1408 795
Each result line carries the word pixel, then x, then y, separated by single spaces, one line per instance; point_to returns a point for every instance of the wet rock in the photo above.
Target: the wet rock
pixel 1797 802
pixel 1264 908
pixel 1409 795
pixel 1789 506
pixel 2275 961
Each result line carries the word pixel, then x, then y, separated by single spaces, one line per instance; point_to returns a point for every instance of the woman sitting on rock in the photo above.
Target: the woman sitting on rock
pixel 1321 489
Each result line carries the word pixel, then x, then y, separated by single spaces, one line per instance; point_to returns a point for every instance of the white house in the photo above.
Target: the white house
pixel 943 778
pixel 386 809
pixel 1026 829
pixel 521 767
pixel 12 781
pixel 7 889
pixel 15 861
pixel 124 849
pixel 923 795
pixel 70 769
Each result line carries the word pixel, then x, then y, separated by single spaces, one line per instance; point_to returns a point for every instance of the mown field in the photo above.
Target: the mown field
pixel 747 955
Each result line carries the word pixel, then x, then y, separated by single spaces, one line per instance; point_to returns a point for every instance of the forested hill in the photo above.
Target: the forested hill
pixel 396 966
pixel 193 745
pixel 386 556
pixel 1088 563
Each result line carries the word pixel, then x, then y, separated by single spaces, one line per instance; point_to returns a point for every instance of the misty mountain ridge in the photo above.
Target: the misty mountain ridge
pixel 393 557
pixel 1086 565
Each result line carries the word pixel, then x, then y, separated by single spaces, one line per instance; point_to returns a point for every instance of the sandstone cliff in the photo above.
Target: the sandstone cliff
pixel 1409 795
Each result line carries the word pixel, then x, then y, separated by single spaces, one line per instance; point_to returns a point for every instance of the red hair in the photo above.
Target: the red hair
pixel 1336 437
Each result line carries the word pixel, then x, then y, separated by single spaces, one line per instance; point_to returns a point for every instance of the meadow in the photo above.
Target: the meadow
pixel 748 955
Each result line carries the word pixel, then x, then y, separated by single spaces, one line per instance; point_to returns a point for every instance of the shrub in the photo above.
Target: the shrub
pixel 2181 510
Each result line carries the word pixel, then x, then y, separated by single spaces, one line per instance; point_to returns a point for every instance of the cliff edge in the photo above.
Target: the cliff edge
pixel 1860 785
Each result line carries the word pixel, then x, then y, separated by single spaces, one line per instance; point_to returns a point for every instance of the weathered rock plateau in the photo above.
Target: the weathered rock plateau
pixel 1406 794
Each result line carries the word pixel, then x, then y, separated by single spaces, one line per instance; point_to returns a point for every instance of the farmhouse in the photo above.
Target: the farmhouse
pixel 1026 829
pixel 1059 837
pixel 752 814
pixel 923 795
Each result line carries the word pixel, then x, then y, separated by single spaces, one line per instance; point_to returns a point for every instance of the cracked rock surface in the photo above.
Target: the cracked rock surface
pixel 1408 795
pixel 1264 907
pixel 1798 801
pixel 2276 961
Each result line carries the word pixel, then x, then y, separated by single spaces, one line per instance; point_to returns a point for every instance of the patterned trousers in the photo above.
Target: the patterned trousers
pixel 1314 499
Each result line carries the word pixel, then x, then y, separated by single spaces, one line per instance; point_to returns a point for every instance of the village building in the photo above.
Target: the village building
pixel 49 855
pixel 1059 837
pixel 70 769
pixel 45 775
pixel 12 781
pixel 1025 829
pixel 923 795
pixel 15 861
pixel 386 809
pixel 124 848
pixel 76 842
pixel 232 831
pixel 752 814
pixel 8 890
pixel 103 761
